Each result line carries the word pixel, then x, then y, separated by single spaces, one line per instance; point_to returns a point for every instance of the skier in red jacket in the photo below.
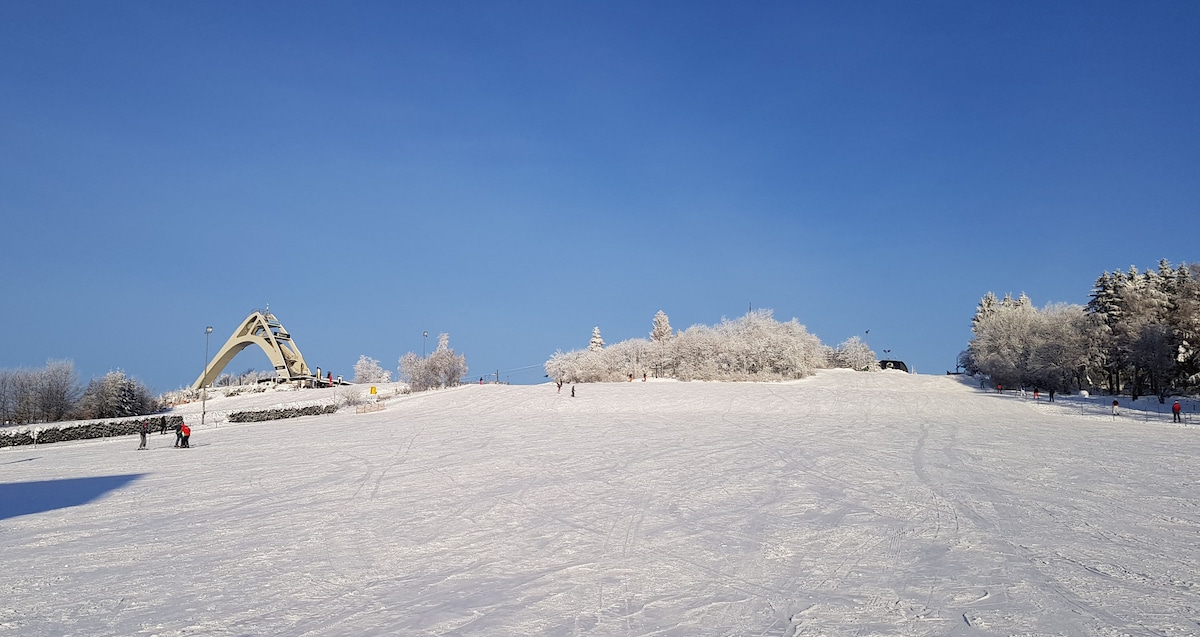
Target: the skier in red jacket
pixel 1175 412
pixel 187 433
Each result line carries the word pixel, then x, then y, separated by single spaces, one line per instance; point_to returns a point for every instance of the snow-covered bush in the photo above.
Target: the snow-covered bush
pixel 350 397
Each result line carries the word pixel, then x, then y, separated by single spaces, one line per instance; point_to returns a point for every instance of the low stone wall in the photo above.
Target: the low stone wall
pixel 279 414
pixel 83 431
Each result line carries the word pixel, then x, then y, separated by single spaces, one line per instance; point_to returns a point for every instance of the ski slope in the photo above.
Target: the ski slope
pixel 844 504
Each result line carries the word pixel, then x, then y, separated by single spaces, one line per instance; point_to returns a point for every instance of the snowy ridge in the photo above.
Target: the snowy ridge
pixel 846 503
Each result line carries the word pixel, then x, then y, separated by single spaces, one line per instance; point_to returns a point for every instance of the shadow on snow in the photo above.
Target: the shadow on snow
pixel 24 498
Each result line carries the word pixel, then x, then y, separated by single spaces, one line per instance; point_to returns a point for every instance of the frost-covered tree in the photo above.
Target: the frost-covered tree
pixel 597 343
pixel 1053 349
pixel 18 396
pixel 249 377
pixel 48 394
pixel 987 306
pixel 1003 342
pixel 1149 332
pixel 368 370
pixel 58 390
pixel 1185 317
pixel 442 368
pixel 753 347
pixel 661 331
pixel 448 367
pixel 414 372
pixel 1063 351
pixel 116 395
pixel 853 353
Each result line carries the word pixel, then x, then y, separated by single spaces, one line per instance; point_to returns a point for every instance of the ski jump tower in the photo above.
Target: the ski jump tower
pixel 261 328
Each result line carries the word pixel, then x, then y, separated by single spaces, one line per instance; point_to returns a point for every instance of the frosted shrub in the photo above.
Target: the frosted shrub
pixel 350 397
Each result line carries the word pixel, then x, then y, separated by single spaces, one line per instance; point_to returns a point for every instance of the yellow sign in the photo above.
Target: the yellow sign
pixel 372 390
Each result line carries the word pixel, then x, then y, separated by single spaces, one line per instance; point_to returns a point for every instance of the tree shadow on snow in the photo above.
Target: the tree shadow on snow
pixel 24 498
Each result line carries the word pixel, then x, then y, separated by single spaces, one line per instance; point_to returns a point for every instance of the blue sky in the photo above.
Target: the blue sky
pixel 516 173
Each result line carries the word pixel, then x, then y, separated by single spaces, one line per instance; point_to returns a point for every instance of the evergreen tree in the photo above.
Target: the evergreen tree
pixel 597 343
pixel 116 396
pixel 987 306
pixel 662 328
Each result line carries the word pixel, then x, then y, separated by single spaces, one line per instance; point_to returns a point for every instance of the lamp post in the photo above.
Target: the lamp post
pixel 424 337
pixel 204 385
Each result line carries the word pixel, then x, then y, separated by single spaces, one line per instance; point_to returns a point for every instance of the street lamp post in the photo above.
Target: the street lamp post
pixel 424 338
pixel 204 385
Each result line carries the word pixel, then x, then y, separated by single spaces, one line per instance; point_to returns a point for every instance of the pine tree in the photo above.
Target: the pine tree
pixel 987 306
pixel 597 343
pixel 662 328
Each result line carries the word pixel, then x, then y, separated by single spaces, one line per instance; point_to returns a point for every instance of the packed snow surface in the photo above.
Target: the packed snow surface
pixel 843 504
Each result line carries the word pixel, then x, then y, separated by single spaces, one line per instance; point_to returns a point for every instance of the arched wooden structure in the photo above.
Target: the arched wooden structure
pixel 261 328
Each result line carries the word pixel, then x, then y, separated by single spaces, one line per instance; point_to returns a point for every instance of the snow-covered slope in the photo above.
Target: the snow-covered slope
pixel 847 503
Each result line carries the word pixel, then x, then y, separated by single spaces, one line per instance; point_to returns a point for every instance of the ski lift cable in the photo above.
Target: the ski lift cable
pixel 518 369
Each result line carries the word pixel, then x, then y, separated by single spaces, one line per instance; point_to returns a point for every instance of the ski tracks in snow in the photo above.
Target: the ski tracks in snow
pixel 838 505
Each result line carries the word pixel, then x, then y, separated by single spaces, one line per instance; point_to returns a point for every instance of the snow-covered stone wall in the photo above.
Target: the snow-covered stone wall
pixel 59 432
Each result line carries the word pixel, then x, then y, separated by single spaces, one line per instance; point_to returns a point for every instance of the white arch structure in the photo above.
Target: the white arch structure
pixel 261 328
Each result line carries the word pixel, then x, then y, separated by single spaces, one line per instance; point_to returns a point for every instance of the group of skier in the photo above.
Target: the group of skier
pixel 183 434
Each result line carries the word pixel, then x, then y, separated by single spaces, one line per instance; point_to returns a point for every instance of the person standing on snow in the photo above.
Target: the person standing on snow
pixel 186 432
pixel 144 429
pixel 1176 416
pixel 178 435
